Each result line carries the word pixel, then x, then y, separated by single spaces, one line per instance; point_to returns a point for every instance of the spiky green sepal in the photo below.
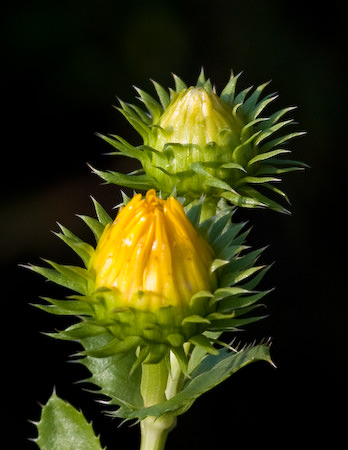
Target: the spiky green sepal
pixel 196 142
pixel 154 333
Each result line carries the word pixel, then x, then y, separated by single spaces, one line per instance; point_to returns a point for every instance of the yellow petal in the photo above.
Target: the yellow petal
pixel 152 255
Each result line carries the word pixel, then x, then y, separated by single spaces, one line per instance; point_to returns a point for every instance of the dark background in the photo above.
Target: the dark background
pixel 64 63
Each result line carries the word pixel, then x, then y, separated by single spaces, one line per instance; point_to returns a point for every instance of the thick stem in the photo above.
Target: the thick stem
pixel 154 430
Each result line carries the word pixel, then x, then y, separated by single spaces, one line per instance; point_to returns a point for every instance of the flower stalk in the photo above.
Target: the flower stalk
pixel 154 430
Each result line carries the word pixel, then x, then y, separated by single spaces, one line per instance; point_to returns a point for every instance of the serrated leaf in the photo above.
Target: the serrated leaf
pixel 62 427
pixel 116 378
pixel 213 370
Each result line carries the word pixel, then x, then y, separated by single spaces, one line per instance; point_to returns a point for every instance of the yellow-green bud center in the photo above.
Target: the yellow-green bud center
pixel 195 117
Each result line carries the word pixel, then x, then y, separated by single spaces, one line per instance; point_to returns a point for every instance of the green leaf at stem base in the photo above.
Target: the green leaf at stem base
pixel 62 427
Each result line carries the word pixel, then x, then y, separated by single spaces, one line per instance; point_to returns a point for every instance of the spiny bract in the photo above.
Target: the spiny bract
pixel 104 309
pixel 198 142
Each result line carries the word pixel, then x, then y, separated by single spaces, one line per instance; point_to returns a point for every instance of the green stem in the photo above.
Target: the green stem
pixel 154 430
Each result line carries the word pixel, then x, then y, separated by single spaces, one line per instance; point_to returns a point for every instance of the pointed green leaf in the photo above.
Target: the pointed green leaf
pixel 267 155
pixel 62 427
pixel 135 121
pixel 257 180
pixel 259 107
pixel 180 85
pixel 195 319
pixel 66 307
pixel 218 227
pixel 62 279
pixel 212 370
pixel 84 330
pixel 237 276
pixel 114 347
pixel 242 200
pixel 232 324
pixel 271 130
pixel 203 341
pixel 201 79
pixel 235 302
pixel 217 263
pixel 82 249
pixel 113 375
pixel 194 214
pixel 199 353
pixel 102 215
pixel 133 181
pixel 227 95
pixel 151 104
pixel 162 95
pixel 239 99
pixel 275 142
pixel 233 165
pixel 95 226
pixel 123 147
pixel 250 103
pixel 265 200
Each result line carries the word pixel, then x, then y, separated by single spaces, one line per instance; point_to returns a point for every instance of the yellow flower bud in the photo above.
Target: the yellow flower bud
pixel 151 256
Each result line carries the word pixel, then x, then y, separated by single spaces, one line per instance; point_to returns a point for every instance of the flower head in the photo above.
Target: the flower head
pixel 196 141
pixel 152 256
pixel 159 278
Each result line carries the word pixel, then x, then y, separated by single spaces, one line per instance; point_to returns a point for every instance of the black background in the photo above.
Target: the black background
pixel 64 63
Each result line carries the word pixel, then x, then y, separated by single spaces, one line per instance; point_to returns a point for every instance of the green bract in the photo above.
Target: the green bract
pixel 197 142
pixel 150 335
